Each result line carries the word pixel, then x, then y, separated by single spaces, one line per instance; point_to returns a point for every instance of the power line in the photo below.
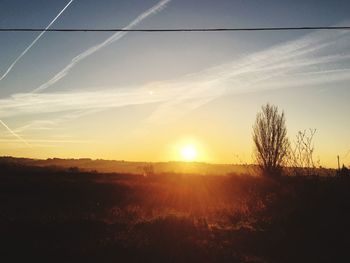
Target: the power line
pixel 174 30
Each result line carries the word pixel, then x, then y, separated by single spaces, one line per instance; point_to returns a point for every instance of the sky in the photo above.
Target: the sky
pixel 145 96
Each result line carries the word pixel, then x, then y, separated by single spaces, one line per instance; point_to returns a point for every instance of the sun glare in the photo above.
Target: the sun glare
pixel 189 153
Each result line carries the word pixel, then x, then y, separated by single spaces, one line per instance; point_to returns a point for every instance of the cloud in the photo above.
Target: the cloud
pixel 310 60
pixel 37 103
pixel 115 37
pixel 37 143
pixel 34 41
pixel 36 125
pixel 277 67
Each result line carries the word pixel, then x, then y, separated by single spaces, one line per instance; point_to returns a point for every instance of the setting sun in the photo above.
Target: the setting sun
pixel 189 153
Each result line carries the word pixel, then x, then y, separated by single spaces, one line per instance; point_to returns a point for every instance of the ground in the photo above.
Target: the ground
pixel 65 215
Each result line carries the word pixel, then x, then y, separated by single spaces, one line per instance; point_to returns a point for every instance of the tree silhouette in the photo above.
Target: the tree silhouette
pixel 301 158
pixel 270 139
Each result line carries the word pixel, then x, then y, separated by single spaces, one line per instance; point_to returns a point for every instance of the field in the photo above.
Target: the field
pixel 67 215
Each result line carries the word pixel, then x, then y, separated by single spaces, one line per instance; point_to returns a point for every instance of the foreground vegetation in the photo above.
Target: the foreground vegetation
pixel 69 216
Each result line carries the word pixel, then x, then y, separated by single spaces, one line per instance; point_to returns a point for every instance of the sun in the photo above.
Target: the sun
pixel 189 153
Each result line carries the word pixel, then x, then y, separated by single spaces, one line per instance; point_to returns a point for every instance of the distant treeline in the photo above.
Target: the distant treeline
pixel 113 166
pixel 127 167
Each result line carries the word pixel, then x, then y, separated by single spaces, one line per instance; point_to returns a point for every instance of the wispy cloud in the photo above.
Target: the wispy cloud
pixel 49 141
pixel 34 41
pixel 36 125
pixel 277 67
pixel 310 60
pixel 115 37
pixel 37 143
pixel 29 103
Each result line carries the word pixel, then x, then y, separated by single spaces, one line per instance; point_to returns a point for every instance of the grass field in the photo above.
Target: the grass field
pixel 60 215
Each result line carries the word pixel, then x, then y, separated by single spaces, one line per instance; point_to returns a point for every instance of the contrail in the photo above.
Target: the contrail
pixel 14 134
pixel 158 7
pixel 35 40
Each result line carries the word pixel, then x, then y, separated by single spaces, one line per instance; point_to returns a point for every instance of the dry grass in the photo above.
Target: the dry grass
pixel 60 216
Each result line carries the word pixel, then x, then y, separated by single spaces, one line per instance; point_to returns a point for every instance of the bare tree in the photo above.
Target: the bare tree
pixel 301 153
pixel 270 139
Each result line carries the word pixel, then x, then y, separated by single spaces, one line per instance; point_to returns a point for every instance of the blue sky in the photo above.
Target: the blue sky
pixel 139 94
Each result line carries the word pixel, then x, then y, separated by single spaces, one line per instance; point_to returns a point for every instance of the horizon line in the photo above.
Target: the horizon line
pixel 150 162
